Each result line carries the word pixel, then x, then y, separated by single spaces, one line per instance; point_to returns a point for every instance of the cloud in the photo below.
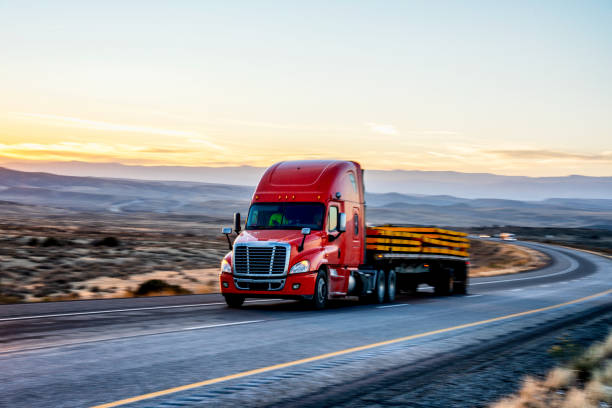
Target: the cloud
pixel 88 151
pixel 170 150
pixel 288 126
pixel 68 121
pixel 440 132
pixel 446 155
pixel 535 154
pixel 207 143
pixel 382 128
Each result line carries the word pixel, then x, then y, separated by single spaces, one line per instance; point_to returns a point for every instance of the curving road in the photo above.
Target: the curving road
pixel 193 351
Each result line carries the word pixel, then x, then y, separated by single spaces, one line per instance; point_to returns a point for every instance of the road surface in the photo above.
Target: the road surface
pixel 193 351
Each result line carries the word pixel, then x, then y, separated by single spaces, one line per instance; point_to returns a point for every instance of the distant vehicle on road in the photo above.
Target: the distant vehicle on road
pixel 306 238
pixel 506 236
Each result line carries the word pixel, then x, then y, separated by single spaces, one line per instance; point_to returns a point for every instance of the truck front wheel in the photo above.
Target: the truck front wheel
pixel 234 301
pixel 319 298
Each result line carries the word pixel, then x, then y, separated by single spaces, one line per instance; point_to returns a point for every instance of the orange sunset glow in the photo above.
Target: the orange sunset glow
pixel 208 86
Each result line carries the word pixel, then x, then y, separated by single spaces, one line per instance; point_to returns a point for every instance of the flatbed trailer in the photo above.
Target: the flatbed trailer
pixel 419 255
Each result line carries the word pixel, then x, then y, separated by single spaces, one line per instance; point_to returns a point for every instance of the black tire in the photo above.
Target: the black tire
pixel 461 284
pixel 460 288
pixel 445 285
pixel 234 301
pixel 379 292
pixel 391 286
pixel 319 297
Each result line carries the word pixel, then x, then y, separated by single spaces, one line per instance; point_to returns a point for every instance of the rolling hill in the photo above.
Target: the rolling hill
pixel 125 196
pixel 465 185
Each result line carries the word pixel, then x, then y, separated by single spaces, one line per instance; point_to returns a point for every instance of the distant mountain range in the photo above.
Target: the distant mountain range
pixel 465 185
pixel 39 192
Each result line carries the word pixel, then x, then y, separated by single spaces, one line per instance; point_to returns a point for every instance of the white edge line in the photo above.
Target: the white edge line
pixel 135 309
pixel 397 305
pixel 78 343
pixel 210 326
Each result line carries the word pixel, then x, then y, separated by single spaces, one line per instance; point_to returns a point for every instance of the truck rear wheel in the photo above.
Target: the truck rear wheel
pixel 461 284
pixel 445 285
pixel 319 297
pixel 460 288
pixel 234 301
pixel 391 286
pixel 379 292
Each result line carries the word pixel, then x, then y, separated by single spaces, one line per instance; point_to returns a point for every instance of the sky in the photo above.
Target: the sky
pixel 506 87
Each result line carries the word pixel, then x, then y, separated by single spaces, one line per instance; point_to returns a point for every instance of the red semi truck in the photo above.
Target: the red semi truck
pixel 306 238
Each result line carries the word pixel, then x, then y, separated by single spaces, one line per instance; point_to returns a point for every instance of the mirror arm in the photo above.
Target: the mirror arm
pixel 229 242
pixel 305 231
pixel 301 247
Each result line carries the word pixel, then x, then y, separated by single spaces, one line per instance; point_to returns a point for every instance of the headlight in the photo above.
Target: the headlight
pixel 300 267
pixel 225 267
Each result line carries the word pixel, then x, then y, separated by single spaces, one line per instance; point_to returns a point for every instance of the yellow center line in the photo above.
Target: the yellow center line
pixel 338 353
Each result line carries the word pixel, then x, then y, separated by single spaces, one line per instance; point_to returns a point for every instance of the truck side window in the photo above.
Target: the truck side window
pixel 356 223
pixel 353 182
pixel 332 220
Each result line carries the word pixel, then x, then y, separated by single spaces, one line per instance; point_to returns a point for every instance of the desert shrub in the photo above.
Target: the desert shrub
pixel 10 298
pixel 51 241
pixel 107 241
pixel 158 286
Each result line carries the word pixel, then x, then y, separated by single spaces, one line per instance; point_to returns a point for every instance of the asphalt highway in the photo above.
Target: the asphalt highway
pixel 193 351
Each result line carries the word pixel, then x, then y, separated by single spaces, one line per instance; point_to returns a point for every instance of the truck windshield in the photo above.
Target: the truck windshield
pixel 286 216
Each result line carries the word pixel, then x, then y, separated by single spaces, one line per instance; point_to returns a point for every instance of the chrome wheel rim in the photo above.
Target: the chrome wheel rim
pixel 321 291
pixel 391 288
pixel 381 287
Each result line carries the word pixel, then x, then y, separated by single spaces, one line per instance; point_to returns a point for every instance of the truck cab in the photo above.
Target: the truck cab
pixel 304 235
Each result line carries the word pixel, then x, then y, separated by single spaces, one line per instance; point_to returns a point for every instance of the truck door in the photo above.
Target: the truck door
pixel 336 252
pixel 354 232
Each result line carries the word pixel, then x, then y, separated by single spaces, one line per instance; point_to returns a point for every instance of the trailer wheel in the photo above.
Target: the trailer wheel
pixel 319 298
pixel 460 288
pixel 445 285
pixel 234 301
pixel 461 285
pixel 391 286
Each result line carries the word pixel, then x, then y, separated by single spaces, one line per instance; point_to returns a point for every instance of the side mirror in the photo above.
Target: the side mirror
pixel 227 231
pixel 342 222
pixel 237 226
pixel 305 231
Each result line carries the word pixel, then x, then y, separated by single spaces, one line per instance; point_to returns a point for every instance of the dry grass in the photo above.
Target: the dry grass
pixel 194 280
pixel 78 257
pixel 489 258
pixel 584 383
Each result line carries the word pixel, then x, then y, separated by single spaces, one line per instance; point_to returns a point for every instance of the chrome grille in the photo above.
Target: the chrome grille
pixel 260 259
